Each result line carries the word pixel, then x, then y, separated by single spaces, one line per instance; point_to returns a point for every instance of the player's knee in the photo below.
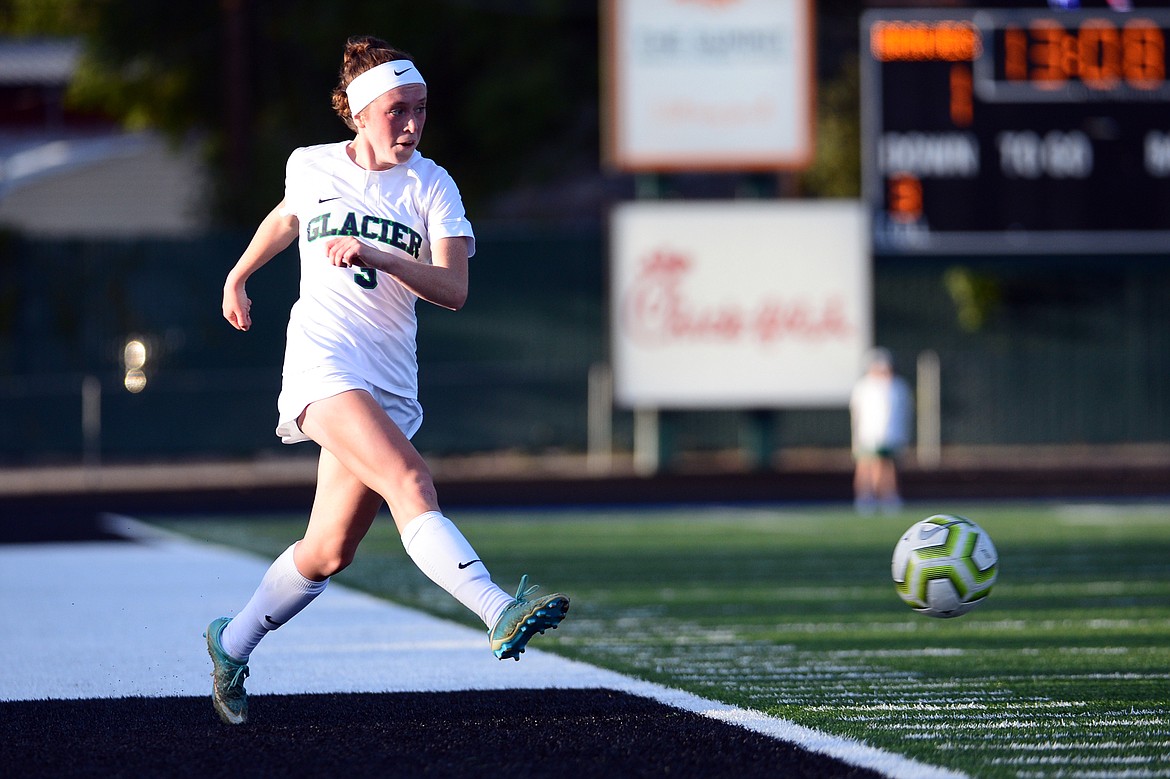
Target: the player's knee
pixel 416 486
pixel 321 561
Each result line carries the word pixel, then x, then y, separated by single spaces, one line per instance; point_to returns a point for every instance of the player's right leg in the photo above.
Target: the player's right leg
pixel 525 617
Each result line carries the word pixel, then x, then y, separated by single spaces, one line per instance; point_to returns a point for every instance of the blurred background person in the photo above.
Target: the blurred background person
pixel 880 409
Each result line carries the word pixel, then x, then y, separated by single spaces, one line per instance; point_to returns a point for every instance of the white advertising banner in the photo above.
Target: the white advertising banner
pixel 709 84
pixel 720 304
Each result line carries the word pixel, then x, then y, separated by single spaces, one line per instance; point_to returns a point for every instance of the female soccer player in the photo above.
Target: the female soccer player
pixel 379 226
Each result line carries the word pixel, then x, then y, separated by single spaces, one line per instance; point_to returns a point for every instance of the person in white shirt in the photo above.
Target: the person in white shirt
pixel 880 410
pixel 378 227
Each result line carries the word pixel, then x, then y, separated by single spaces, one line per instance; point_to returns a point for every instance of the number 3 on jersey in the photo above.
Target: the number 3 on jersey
pixel 366 278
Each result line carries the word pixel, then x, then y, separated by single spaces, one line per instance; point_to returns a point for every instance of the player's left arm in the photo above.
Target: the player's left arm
pixel 443 282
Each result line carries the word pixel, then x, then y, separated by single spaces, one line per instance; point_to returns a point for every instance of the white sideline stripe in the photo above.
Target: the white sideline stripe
pixel 67 605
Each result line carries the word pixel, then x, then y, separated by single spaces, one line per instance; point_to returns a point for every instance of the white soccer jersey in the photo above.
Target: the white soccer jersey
pixel 358 319
pixel 881 410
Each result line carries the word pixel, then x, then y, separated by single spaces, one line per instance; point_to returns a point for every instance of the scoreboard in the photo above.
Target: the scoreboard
pixel 1008 131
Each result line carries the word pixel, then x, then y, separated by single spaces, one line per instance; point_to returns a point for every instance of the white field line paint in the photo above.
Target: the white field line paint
pixel 1057 714
pixel 789 592
pixel 1110 516
pixel 1134 760
pixel 68 605
pixel 985 626
pixel 927 652
pixel 1017 741
pixel 1005 625
pixel 1069 746
pixel 1105 587
pixel 700 637
pixel 1117 676
pixel 1128 773
pixel 918 708
pixel 1018 724
pixel 848 750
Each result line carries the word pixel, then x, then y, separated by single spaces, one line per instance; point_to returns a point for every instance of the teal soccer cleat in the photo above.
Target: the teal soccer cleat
pixel 227 677
pixel 524 618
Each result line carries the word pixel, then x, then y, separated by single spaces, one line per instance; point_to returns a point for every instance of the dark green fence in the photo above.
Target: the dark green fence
pixel 1032 351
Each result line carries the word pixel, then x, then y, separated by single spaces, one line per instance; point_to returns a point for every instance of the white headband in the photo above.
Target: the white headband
pixel 379 80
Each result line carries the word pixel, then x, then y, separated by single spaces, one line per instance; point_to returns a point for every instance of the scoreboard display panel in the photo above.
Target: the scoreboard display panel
pixel 1000 131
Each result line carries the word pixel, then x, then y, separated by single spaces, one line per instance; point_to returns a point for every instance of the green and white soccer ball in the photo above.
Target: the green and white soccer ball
pixel 944 566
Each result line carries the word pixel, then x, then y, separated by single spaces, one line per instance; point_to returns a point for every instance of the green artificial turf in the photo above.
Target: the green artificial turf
pixel 1063 671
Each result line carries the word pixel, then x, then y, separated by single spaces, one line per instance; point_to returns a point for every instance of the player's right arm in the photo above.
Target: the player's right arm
pixel 278 230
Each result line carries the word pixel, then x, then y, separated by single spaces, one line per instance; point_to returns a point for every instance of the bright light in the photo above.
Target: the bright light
pixel 134 358
pixel 134 355
pixel 135 381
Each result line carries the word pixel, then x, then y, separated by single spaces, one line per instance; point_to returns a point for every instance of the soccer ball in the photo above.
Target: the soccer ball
pixel 944 566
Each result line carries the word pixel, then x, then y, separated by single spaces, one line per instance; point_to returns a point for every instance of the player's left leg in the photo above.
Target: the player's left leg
pixel 227 677
pixel 356 430
pixel 343 510
pixel 283 593
pixel 342 514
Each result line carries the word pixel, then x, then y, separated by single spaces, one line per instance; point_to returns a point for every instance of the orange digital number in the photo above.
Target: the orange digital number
pixel 1015 54
pixel 905 198
pixel 1054 54
pixel 962 95
pixel 1144 59
pixel 1099 54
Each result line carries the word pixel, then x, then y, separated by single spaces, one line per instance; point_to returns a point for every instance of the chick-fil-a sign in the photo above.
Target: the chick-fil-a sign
pixel 738 304
pixel 657 310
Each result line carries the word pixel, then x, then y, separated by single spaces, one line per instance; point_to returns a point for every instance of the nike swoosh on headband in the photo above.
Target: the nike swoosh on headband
pixel 380 79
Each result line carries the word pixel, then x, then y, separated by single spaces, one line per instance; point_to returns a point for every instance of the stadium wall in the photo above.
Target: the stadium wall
pixel 1033 352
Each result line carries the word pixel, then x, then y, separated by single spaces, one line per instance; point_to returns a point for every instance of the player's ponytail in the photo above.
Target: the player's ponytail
pixel 362 52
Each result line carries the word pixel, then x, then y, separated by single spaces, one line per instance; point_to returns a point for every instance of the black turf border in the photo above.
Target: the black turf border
pixel 512 733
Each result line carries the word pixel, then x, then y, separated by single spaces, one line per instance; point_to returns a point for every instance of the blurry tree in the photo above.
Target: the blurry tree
pixel 513 83
pixel 976 296
pixel 836 168
pixel 513 100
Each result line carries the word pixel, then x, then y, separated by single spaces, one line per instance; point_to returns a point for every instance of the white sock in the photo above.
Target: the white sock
pixel 443 554
pixel 282 593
